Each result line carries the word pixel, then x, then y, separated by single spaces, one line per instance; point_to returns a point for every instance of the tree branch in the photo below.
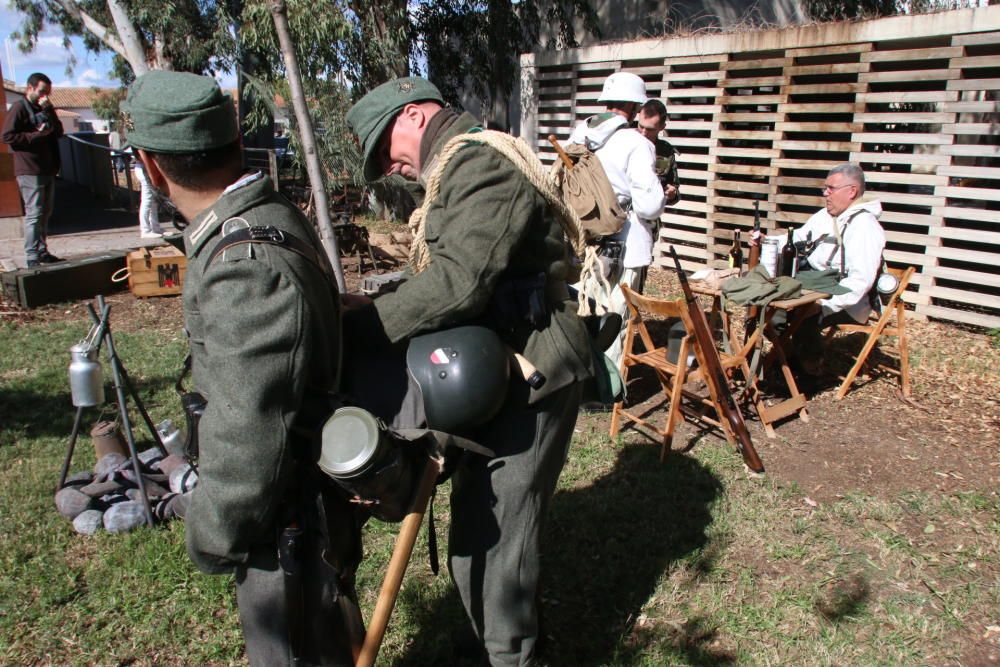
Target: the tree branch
pixel 131 42
pixel 94 26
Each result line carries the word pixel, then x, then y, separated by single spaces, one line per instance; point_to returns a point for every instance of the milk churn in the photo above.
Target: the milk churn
pixel 86 381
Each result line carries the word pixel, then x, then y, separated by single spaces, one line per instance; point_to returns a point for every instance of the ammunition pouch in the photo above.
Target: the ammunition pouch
pixel 519 301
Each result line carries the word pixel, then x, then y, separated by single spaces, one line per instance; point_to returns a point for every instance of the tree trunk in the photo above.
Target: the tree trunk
pixel 496 116
pixel 313 168
pixel 135 53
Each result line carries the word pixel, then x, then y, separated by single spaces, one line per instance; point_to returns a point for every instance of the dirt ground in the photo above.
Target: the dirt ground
pixel 946 437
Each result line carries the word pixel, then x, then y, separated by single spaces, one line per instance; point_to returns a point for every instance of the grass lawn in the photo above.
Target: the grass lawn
pixel 687 563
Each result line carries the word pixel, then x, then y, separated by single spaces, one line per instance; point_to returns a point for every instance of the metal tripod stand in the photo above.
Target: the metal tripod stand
pixel 122 382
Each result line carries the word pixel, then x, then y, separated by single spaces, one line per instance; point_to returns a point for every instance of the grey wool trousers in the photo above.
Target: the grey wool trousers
pixel 498 509
pixel 266 609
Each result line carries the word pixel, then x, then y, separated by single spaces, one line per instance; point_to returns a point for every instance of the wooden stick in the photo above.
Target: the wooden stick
pixel 397 567
pixel 534 377
pixel 559 149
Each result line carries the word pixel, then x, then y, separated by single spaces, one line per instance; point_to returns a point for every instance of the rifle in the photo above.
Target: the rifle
pixel 753 311
pixel 714 374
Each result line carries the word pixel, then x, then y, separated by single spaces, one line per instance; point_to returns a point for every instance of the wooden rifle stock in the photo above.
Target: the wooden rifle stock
pixel 750 323
pixel 559 150
pixel 715 375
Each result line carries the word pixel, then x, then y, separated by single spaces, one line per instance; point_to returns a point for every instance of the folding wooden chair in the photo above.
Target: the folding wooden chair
pixel 682 403
pixel 876 327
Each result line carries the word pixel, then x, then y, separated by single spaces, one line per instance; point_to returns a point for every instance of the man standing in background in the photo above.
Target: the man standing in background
pixel 650 122
pixel 32 130
pixel 629 162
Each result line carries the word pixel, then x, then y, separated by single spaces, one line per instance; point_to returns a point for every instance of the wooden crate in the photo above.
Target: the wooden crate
pixel 156 272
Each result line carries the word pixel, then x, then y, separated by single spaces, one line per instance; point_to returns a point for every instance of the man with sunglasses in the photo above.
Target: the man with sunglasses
pixel 845 236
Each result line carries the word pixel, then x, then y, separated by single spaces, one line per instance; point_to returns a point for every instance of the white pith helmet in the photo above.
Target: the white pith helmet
pixel 623 87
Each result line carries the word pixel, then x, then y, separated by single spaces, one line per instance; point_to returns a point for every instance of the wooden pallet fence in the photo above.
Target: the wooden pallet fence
pixel 763 115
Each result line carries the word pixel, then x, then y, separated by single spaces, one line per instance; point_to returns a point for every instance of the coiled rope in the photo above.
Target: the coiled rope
pixel 522 157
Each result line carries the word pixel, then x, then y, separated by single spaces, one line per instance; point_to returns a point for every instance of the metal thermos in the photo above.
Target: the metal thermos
pixel 86 380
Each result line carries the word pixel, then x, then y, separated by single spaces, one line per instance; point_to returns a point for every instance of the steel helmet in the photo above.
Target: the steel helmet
pixel 623 87
pixel 462 374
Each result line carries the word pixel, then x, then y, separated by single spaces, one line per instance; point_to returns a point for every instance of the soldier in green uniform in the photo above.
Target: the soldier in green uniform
pixel 262 317
pixel 497 258
pixel 651 121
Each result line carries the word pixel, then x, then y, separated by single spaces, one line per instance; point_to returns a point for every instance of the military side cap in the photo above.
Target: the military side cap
pixel 371 114
pixel 178 112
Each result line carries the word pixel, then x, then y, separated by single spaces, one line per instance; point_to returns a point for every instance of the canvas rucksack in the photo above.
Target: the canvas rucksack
pixel 586 189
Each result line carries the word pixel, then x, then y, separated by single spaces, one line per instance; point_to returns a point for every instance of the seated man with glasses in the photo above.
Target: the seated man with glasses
pixel 844 236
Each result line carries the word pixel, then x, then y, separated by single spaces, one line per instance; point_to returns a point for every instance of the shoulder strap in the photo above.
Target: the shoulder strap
pixel 839 235
pixel 271 235
pixel 606 139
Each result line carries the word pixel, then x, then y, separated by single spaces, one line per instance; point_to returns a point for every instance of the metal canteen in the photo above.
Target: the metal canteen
pixel 362 456
pixel 86 380
pixel 886 285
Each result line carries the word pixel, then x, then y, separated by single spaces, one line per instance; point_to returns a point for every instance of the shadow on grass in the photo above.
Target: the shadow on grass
pixel 36 414
pixel 607 546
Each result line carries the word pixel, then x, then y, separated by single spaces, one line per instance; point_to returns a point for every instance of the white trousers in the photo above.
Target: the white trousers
pixel 149 214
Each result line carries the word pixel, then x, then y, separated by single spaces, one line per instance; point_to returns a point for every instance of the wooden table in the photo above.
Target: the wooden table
pixel 797 310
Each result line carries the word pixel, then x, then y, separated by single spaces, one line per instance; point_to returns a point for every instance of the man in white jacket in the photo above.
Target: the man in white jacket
pixel 629 162
pixel 847 237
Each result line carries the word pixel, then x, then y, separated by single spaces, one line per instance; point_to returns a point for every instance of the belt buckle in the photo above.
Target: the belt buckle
pixel 266 233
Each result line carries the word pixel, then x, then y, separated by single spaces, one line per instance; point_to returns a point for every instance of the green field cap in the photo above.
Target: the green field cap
pixel 178 112
pixel 371 114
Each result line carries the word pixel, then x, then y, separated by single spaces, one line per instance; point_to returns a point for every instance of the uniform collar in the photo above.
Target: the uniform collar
pixel 242 195
pixel 434 141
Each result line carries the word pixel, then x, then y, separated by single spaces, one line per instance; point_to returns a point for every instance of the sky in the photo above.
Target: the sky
pixel 50 58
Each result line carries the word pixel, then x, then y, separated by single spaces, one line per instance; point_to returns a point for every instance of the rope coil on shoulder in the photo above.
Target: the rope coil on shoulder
pixel 522 157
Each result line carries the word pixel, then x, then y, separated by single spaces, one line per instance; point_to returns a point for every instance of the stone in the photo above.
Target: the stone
pixel 107 464
pixel 171 463
pixel 123 517
pixel 153 490
pixel 172 506
pixel 149 458
pixel 71 502
pixel 88 522
pixel 183 479
pixel 98 489
pixel 81 478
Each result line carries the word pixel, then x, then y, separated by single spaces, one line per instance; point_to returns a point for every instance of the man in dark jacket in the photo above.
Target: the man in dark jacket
pixel 490 236
pixel 32 129
pixel 263 321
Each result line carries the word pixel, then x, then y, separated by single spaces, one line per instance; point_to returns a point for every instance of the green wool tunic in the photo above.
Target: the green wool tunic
pixel 488 224
pixel 264 329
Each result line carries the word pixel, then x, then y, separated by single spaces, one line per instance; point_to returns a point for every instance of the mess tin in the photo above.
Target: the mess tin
pixel 368 461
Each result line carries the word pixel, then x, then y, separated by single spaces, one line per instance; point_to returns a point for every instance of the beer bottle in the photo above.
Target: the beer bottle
pixel 755 249
pixel 788 255
pixel 736 253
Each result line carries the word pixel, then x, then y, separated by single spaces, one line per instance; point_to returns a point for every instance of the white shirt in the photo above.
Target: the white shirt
pixel 629 161
pixel 863 240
